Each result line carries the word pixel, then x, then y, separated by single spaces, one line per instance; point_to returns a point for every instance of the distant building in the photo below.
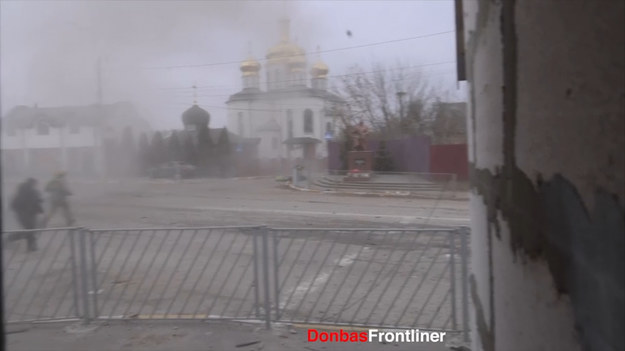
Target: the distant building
pixel 291 119
pixel 42 140
pixel 240 159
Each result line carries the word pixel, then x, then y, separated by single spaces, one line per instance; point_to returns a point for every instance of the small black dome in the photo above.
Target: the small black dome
pixel 195 115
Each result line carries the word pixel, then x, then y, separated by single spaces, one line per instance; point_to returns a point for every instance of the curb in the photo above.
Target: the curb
pixel 370 194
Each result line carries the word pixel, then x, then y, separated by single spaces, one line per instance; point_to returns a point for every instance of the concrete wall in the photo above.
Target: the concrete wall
pixel 546 126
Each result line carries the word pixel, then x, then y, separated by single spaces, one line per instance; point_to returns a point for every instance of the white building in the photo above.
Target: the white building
pixel 291 118
pixel 38 141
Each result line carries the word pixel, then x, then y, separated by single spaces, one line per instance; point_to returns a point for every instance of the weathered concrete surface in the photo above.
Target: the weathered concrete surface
pixel 547 108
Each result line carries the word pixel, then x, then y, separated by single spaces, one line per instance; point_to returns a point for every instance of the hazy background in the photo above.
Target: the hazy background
pixel 49 49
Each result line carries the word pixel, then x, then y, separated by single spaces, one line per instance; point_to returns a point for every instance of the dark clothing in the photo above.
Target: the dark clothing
pixel 27 205
pixel 27 202
pixel 58 199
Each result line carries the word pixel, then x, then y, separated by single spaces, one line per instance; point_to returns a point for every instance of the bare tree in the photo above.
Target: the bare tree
pixel 394 101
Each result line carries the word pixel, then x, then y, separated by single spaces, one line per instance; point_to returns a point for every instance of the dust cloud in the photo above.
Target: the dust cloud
pixel 50 50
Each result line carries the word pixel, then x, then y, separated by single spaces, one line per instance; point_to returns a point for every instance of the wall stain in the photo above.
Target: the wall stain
pixel 486 336
pixel 548 221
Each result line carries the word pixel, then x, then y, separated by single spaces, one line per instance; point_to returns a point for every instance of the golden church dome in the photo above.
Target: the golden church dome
pixel 286 51
pixel 250 67
pixel 319 70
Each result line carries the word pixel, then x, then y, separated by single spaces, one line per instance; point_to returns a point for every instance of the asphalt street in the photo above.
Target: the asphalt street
pixel 213 202
pixel 362 277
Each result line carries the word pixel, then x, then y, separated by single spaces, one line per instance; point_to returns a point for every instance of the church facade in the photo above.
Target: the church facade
pixel 290 112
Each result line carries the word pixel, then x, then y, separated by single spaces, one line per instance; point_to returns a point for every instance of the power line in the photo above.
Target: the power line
pixel 320 52
pixel 330 76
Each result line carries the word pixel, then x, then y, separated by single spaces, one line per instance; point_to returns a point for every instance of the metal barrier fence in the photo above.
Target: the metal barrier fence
pixel 368 277
pixel 41 285
pixel 183 273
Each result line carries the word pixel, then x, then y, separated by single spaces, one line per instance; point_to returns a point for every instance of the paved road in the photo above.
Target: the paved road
pixel 362 277
pixel 236 202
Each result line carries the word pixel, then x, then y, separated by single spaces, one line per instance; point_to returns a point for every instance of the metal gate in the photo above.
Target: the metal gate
pixel 366 277
pixel 370 277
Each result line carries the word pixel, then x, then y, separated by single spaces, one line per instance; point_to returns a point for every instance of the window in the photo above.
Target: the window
pixel 308 121
pixel 289 123
pixel 241 126
pixel 43 128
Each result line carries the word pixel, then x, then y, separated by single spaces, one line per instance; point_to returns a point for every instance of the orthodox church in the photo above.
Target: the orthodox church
pixel 291 114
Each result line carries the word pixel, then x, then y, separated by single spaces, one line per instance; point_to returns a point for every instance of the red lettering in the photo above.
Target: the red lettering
pixel 344 336
pixel 364 337
pixel 312 332
pixel 334 336
pixel 323 335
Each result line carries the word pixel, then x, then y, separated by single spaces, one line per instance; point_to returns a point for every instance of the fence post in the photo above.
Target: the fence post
pixel 266 277
pixel 256 280
pixel 465 232
pixel 84 275
pixel 74 260
pixel 452 276
pixel 276 285
pixel 94 274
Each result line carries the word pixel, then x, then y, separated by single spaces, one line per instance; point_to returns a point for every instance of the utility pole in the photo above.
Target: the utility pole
pixel 98 123
pixel 99 82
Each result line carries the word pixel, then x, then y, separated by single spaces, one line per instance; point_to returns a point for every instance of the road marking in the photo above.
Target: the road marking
pixel 295 295
pixel 401 219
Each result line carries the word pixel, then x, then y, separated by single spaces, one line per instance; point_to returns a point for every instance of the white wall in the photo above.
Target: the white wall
pixel 257 113
pixel 29 138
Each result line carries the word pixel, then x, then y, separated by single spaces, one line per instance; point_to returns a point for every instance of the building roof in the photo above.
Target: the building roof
pixel 27 117
pixel 292 92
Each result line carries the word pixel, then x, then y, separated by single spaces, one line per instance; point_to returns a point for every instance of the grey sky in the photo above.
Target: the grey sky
pixel 49 49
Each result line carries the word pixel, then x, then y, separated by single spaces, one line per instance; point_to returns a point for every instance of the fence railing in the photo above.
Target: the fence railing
pixel 370 277
pixel 396 278
pixel 41 285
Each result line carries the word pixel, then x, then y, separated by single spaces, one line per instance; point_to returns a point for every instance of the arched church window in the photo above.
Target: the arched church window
pixel 241 124
pixel 308 121
pixel 289 123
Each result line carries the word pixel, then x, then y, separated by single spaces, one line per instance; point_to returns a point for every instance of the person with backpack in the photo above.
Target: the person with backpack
pixel 58 193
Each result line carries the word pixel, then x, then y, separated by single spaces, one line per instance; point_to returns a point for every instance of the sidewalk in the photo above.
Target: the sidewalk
pixel 183 336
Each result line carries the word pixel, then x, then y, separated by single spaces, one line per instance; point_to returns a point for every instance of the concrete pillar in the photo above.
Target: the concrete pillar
pixel 546 134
